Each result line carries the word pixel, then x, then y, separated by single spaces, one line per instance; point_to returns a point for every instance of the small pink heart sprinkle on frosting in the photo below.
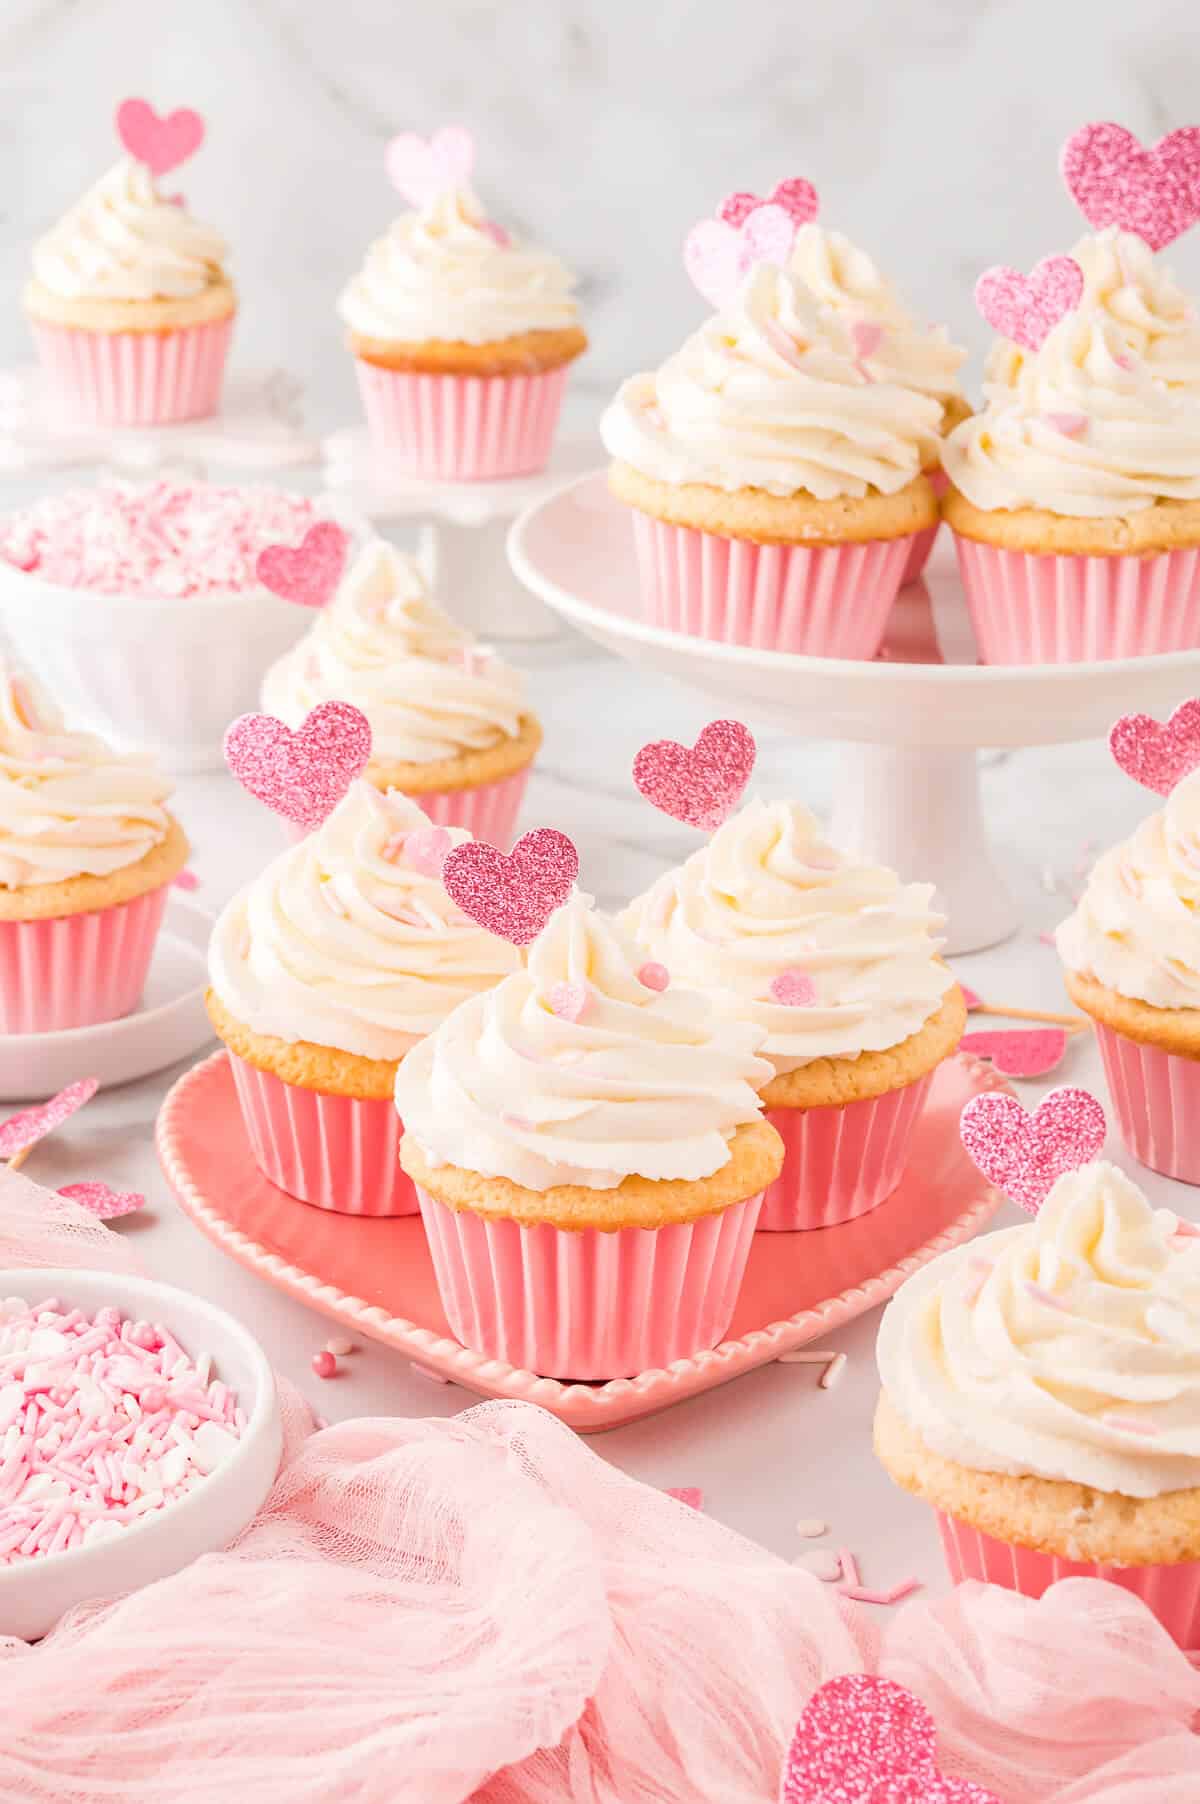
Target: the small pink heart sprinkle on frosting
pixel 794 989
pixel 570 1001
pixel 1115 182
pixel 426 849
pixel 700 784
pixel 1070 425
pixel 307 573
pixel 161 143
pixel 866 337
pixel 1026 308
pixel 1155 754
pixel 1025 1155
pixel 653 976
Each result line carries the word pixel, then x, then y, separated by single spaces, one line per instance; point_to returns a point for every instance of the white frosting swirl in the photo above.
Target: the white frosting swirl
pixel 1068 1348
pixel 124 242
pixel 69 805
pixel 644 1081
pixel 1136 927
pixel 448 273
pixel 427 688
pixel 768 895
pixel 1088 432
pixel 769 395
pixel 1154 317
pixel 343 942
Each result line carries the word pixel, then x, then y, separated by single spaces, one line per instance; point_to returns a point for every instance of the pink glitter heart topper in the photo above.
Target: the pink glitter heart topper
pixel 797 197
pixel 1157 755
pixel 1025 1155
pixel 719 256
pixel 1026 308
pixel 1019 1051
pixel 307 573
pixel 301 775
pixel 160 143
pixel 424 168
pixel 1115 182
pixel 513 896
pixel 32 1125
pixel 103 1203
pixel 703 784
pixel 866 1740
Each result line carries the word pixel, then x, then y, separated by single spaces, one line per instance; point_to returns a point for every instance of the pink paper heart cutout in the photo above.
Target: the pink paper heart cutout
pixel 853 1730
pixel 424 168
pixel 307 573
pixel 1155 754
pixel 797 197
pixel 1025 1155
pixel 1019 1051
pixel 718 256
pixel 427 849
pixel 1114 181
pixel 1026 308
pixel 701 784
pixel 160 143
pixel 31 1125
pixel 103 1203
pixel 570 1001
pixel 513 896
pixel 301 775
pixel 795 989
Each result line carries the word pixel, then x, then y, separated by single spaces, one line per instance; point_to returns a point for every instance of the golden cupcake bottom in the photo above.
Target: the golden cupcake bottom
pixel 765 519
pixel 523 354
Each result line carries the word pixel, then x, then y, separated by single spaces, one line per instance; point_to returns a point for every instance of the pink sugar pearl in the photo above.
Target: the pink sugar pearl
pixel 654 976
pixel 324 1364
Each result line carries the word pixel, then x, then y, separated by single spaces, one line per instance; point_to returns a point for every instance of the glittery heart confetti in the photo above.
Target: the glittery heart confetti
pixel 1026 308
pixel 570 1001
pixel 103 1203
pixel 1114 181
pixel 701 785
pixel 795 989
pixel 423 168
pixel 1019 1052
pixel 1157 755
pixel 160 143
pixel 797 197
pixel 32 1125
pixel 866 1740
pixel 513 896
pixel 307 573
pixel 866 337
pixel 1025 1155
pixel 718 256
pixel 426 850
pixel 301 775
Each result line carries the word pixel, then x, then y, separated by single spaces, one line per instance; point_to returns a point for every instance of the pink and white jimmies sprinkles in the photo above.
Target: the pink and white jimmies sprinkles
pixel 103 1420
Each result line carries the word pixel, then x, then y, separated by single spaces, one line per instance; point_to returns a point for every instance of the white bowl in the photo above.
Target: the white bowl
pixel 34 1595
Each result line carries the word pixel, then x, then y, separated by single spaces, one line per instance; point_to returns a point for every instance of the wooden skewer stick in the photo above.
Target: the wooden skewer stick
pixel 1074 1024
pixel 18 1159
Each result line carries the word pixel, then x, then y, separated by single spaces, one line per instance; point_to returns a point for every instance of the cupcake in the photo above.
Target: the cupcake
pixel 131 306
pixel 1041 1392
pixel 325 972
pixel 590 1158
pixel 462 335
pixel 450 722
pixel 836 963
pixel 87 855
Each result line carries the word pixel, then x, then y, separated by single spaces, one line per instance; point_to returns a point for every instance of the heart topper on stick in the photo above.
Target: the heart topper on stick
pixel 424 168
pixel 1115 182
pixel 701 784
pixel 301 775
pixel 307 573
pixel 867 1740
pixel 1155 754
pixel 161 143
pixel 719 253
pixel 1026 308
pixel 1025 1155
pixel 513 896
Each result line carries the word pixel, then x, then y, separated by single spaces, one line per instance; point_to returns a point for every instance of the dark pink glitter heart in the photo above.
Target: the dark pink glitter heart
pixel 1158 755
pixel 701 784
pixel 301 775
pixel 1115 182
pixel 1025 1155
pixel 307 573
pixel 866 1740
pixel 1027 308
pixel 797 197
pixel 513 896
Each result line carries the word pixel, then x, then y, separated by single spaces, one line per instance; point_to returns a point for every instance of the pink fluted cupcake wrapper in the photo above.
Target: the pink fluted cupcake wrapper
pixel 841 1162
pixel 78 970
pixel 586 1304
pixel 1171 1593
pixel 462 428
pixel 1028 608
pixel 489 810
pixel 921 543
pixel 336 1152
pixel 828 601
pixel 1156 1096
pixel 134 378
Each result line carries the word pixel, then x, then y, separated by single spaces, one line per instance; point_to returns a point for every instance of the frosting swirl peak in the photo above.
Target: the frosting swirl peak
pixel 124 241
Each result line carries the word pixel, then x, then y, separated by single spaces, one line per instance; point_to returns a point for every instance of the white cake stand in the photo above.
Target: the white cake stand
pixel 908 788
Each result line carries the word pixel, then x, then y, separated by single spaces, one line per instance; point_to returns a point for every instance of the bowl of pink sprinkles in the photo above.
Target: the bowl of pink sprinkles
pixel 139 1429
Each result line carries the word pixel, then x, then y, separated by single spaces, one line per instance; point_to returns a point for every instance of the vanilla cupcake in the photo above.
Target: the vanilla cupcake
pixel 325 972
pixel 87 854
pixel 131 306
pixel 836 962
pixel 1041 1390
pixel 450 722
pixel 590 1158
pixel 775 484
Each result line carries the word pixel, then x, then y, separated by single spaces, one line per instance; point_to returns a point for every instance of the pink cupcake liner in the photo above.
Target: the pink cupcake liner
pixel 336 1152
pixel 489 810
pixel 134 378
pixel 921 543
pixel 1171 1593
pixel 1156 1096
pixel 586 1304
pixel 1032 609
pixel 828 601
pixel 77 970
pixel 462 428
pixel 841 1162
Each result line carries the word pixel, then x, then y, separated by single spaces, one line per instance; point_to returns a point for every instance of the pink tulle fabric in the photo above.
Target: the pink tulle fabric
pixel 428 1612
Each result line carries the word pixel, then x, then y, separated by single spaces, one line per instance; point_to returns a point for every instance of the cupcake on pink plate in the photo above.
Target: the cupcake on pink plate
pixel 1041 1386
pixel 462 334
pixel 130 300
pixel 774 481
pixel 586 1141
pixel 450 722
pixel 87 854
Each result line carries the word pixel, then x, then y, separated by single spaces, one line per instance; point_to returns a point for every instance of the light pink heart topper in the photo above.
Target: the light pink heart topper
pixel 161 143
pixel 424 168
pixel 701 784
pixel 797 197
pixel 719 256
pixel 301 775
pixel 307 573
pixel 1115 182
pixel 1157 755
pixel 513 896
pixel 866 1740
pixel 1025 1155
pixel 1026 308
